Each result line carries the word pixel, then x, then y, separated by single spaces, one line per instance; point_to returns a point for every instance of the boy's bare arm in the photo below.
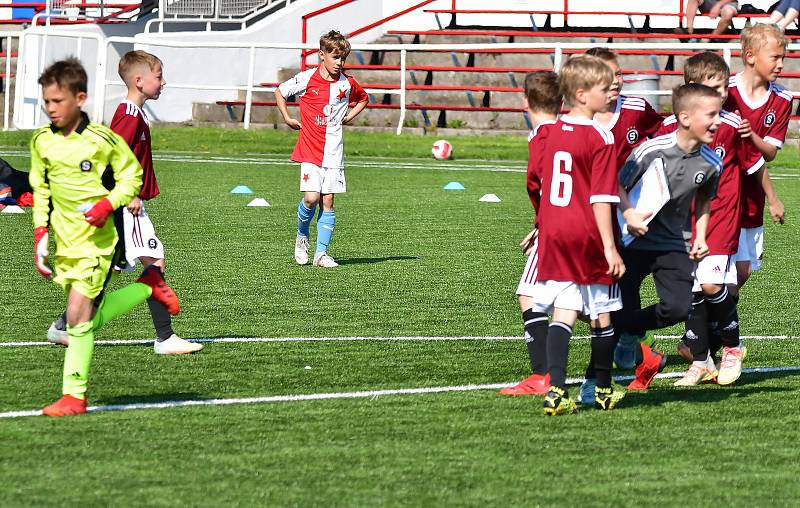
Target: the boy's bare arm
pixel 776 209
pixel 281 103
pixel 602 216
pixel 353 113
pixel 699 248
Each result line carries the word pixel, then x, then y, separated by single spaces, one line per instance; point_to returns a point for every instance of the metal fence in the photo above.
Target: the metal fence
pixel 217 10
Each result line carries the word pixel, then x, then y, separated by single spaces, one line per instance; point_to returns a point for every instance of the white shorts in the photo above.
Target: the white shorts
pixel 590 300
pixel 140 237
pixel 751 246
pixel 718 269
pixel 323 180
pixel 528 279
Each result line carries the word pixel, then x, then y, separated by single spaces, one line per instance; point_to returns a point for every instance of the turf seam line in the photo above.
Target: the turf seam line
pixel 373 394
pixel 219 340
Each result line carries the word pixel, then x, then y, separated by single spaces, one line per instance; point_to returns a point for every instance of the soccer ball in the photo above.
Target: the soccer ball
pixel 442 150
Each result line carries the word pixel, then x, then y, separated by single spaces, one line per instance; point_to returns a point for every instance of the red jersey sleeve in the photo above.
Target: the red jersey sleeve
pixel 776 132
pixel 357 94
pixel 750 159
pixel 534 182
pixel 604 186
pixel 126 126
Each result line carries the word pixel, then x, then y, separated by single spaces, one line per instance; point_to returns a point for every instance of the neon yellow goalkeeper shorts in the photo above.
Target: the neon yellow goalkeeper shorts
pixel 88 276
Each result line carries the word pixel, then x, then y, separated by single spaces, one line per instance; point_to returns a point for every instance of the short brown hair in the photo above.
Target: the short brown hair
pixel 684 96
pixel 68 74
pixel 541 92
pixel 132 60
pixel 703 66
pixel 603 54
pixel 334 41
pixel 754 37
pixel 582 71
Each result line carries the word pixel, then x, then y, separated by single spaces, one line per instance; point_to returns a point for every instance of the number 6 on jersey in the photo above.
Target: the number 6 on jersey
pixel 561 186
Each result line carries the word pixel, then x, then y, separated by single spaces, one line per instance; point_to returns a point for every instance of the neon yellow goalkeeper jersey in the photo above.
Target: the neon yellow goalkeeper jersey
pixel 69 174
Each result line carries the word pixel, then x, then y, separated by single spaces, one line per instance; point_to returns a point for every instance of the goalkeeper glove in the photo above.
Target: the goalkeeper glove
pixel 97 215
pixel 41 238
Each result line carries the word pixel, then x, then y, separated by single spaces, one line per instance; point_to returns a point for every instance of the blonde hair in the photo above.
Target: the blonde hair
pixel 334 41
pixel 582 72
pixel 138 59
pixel 755 37
pixel 703 66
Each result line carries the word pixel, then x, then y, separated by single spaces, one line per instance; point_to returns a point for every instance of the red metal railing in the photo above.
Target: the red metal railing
pixel 306 17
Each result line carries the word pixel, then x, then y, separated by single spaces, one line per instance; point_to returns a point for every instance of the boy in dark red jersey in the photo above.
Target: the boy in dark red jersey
pixel 630 119
pixel 143 75
pixel 767 107
pixel 711 300
pixel 324 93
pixel 543 102
pixel 578 261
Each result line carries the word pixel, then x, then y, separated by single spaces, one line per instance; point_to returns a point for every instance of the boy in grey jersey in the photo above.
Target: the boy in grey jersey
pixel 663 246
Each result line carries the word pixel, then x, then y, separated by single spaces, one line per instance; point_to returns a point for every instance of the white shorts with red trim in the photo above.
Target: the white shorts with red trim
pixel 751 246
pixel 323 180
pixel 588 299
pixel 718 269
pixel 140 237
pixel 528 279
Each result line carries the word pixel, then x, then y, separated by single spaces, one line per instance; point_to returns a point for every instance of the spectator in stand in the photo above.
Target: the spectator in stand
pixel 785 13
pixel 725 10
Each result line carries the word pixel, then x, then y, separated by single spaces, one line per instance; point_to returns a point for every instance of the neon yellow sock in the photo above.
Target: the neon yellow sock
pixel 120 302
pixel 78 359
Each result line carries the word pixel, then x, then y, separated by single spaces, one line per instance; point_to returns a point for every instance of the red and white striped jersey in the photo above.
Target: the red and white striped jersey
pixel 132 124
pixel 739 157
pixel 769 118
pixel 633 122
pixel 323 107
pixel 577 165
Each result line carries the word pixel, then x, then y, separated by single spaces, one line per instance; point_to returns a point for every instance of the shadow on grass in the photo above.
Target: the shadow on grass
pixel 150 398
pixel 744 387
pixel 365 261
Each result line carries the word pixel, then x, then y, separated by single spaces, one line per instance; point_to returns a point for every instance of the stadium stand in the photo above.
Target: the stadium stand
pixel 480 88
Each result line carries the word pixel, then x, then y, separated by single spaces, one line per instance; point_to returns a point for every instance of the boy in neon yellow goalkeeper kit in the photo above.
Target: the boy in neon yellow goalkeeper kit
pixel 80 173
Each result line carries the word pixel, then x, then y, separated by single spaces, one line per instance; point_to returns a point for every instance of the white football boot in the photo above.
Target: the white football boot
pixel 175 345
pixel 57 336
pixel 323 260
pixel 301 250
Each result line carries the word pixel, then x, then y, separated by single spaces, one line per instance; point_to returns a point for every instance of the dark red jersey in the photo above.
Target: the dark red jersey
pixel 769 118
pixel 633 122
pixel 534 180
pixel 130 122
pixel 577 164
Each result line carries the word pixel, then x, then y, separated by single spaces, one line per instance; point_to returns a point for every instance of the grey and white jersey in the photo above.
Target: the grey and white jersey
pixel 686 173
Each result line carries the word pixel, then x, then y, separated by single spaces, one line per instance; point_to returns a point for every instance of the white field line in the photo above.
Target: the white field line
pixel 372 394
pixel 222 340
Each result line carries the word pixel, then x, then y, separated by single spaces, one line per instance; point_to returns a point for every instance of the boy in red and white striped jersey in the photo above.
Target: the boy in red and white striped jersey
pixel 324 94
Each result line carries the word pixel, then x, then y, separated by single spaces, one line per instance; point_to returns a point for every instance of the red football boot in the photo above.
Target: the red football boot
pixel 161 291
pixel 66 406
pixel 652 364
pixel 532 385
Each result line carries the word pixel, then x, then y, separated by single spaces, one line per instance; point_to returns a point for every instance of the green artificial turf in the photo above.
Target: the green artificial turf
pixel 416 261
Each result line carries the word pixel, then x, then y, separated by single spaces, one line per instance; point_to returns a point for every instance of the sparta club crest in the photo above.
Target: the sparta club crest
pixel 769 119
pixel 632 135
pixel 720 151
